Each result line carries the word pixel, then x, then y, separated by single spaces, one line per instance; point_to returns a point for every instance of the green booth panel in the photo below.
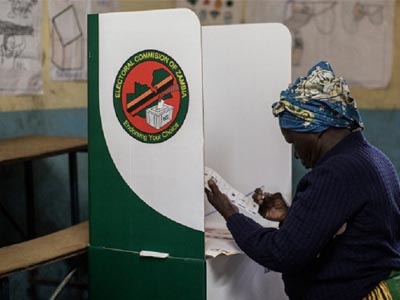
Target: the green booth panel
pixel 120 219
pixel 116 274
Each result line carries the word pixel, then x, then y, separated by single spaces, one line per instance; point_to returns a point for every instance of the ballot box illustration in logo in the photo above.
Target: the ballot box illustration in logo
pixel 159 115
pixel 151 96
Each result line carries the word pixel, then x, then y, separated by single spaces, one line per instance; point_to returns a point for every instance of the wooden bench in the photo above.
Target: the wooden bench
pixel 44 250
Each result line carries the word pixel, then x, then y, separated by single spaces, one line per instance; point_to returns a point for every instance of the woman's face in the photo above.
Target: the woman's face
pixel 306 146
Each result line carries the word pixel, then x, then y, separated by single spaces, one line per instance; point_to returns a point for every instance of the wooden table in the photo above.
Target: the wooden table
pixel 26 149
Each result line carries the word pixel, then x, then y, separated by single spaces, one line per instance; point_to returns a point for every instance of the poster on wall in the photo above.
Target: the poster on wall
pixel 20 47
pixel 215 12
pixel 356 37
pixel 68 35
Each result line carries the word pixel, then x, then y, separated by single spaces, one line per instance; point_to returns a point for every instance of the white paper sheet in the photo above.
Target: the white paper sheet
pixel 356 37
pixel 68 33
pixel 215 12
pixel 20 47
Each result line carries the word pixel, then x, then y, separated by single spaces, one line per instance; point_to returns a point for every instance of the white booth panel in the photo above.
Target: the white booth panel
pixel 245 67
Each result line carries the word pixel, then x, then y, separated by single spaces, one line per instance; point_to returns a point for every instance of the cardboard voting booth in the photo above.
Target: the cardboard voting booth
pixel 166 97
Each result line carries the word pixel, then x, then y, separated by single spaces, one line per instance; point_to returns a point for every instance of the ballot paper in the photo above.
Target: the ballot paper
pixel 218 238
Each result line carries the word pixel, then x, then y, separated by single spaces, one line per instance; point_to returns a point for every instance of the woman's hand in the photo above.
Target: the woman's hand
pixel 272 206
pixel 220 201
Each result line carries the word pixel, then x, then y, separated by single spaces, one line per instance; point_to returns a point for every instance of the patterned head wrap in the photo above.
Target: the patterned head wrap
pixel 317 102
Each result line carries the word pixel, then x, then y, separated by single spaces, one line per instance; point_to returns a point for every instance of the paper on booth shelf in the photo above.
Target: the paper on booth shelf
pixel 219 242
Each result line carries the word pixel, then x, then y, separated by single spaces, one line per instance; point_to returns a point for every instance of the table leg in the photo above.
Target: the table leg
pixel 4 289
pixel 30 201
pixel 73 181
pixel 30 215
pixel 12 221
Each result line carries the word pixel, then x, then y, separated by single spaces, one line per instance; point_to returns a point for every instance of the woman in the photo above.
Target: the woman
pixel 340 238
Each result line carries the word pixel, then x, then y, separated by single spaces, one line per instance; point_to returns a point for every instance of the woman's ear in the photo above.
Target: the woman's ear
pixel 320 134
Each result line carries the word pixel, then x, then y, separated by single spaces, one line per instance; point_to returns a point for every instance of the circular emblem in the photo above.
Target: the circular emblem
pixel 151 96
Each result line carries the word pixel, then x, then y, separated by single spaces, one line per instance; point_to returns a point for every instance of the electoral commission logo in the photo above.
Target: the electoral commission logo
pixel 151 96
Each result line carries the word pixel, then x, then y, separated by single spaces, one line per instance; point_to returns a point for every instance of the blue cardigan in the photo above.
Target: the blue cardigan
pixel 353 183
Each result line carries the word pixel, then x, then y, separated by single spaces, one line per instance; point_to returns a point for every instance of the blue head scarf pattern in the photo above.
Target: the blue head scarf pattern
pixel 317 102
